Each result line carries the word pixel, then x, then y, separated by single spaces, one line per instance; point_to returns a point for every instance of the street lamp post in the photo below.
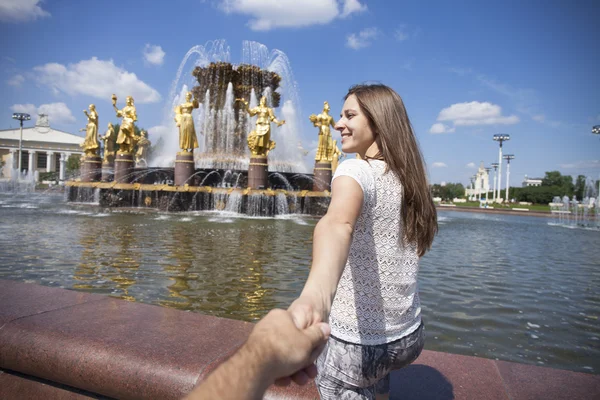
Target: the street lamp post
pixel 508 157
pixel 487 189
pixel 596 131
pixel 500 137
pixel 21 117
pixel 495 166
pixel 472 188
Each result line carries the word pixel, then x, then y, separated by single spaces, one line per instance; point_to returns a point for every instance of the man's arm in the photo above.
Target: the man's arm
pixel 274 349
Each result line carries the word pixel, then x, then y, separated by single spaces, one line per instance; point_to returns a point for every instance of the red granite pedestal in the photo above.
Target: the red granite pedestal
pixel 322 176
pixel 258 172
pixel 184 168
pixel 124 168
pixel 108 171
pixel 91 169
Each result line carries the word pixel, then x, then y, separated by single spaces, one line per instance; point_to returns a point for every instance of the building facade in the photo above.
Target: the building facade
pixel 44 149
pixel 532 181
pixel 480 185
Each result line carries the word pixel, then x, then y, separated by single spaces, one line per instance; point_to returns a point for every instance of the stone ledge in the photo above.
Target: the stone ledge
pixel 63 344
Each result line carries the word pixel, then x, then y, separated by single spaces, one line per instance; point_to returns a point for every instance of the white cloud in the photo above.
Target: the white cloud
pixel 57 112
pixel 96 78
pixel 476 113
pixel 361 39
pixel 352 6
pixel 471 165
pixel 539 118
pixel 439 165
pixel 440 128
pixel 154 54
pixel 16 80
pixel 21 10
pixel 269 14
pixel 30 109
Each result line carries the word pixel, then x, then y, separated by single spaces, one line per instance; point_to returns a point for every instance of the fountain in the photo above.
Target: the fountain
pixel 225 155
pixel 572 213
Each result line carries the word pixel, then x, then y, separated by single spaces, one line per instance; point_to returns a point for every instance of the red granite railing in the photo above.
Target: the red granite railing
pixel 62 344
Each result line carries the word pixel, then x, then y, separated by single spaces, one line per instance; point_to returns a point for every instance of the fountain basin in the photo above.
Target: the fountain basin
pixel 164 197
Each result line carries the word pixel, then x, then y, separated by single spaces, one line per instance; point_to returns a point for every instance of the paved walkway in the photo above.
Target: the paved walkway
pixel 62 344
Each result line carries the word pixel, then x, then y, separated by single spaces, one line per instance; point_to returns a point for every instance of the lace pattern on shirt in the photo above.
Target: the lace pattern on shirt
pixel 377 298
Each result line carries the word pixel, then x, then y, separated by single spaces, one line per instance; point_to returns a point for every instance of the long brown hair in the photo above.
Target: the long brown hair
pixel 398 147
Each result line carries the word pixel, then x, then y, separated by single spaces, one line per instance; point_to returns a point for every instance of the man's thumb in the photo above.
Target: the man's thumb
pixel 318 333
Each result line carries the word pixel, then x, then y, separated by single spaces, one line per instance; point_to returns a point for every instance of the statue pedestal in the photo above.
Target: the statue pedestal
pixel 258 172
pixel 108 171
pixel 123 168
pixel 322 176
pixel 184 168
pixel 91 169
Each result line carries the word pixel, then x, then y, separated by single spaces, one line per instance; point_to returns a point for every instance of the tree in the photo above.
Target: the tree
pixel 563 184
pixel 449 191
pixel 73 163
pixel 579 190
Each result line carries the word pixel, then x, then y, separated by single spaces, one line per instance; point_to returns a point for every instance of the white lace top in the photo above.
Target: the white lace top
pixel 377 299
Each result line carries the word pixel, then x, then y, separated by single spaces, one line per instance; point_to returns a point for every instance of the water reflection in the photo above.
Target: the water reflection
pixel 493 286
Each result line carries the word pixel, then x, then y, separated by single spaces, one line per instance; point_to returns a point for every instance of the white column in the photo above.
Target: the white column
pixel 49 161
pixel 14 158
pixel 499 171
pixel 63 166
pixel 32 162
pixel 494 192
pixel 507 177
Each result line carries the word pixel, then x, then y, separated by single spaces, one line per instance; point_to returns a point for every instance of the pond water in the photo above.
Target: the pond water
pixel 496 286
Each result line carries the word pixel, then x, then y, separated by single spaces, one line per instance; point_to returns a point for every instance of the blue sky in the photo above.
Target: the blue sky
pixel 466 70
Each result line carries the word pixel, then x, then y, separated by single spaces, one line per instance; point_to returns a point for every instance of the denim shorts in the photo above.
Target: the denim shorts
pixel 350 371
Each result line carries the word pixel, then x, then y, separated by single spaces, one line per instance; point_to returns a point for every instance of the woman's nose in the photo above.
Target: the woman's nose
pixel 339 126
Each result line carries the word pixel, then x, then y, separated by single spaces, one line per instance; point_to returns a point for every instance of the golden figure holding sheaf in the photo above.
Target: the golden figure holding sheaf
pixel 323 121
pixel 91 145
pixel 143 143
pixel 336 155
pixel 109 144
pixel 126 136
pixel 188 140
pixel 259 140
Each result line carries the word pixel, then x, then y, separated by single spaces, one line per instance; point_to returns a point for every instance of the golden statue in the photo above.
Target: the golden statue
pixel 188 140
pixel 142 149
pixel 336 155
pixel 91 145
pixel 126 136
pixel 259 140
pixel 109 144
pixel 323 121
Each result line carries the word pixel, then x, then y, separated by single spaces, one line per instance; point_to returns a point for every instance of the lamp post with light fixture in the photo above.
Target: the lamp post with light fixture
pixel 495 166
pixel 508 157
pixel 21 117
pixel 500 137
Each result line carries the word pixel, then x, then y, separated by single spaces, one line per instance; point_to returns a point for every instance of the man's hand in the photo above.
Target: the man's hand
pixel 282 347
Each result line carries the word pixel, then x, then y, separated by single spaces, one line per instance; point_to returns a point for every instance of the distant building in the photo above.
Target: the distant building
pixel 481 186
pixel 44 149
pixel 532 181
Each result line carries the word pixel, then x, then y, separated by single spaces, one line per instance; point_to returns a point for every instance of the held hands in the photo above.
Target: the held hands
pixel 284 349
pixel 306 311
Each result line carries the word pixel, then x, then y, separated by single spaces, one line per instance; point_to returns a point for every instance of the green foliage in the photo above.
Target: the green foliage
pixel 73 163
pixel 579 190
pixel 49 176
pixel 535 194
pixel 448 192
pixel 563 184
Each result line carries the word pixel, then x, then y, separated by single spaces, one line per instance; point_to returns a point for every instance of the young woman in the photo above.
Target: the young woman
pixel 366 250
